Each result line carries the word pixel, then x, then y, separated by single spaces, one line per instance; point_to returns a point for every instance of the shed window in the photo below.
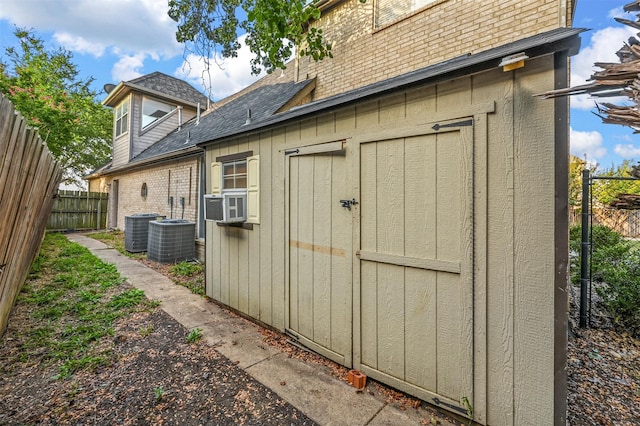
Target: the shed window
pixel 234 175
pixel 122 118
pixel 153 110
pixel 239 173
pixel 388 11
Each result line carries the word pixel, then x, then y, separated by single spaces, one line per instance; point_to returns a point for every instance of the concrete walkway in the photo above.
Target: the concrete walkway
pixel 309 387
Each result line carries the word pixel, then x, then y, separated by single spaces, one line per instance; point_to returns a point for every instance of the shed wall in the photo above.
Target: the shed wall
pixel 513 225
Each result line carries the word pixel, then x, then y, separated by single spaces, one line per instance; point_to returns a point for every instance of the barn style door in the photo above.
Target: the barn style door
pixel 416 266
pixel 320 254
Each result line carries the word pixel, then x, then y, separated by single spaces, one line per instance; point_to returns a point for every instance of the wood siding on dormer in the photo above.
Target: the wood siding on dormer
pixel 136 140
pixel 156 131
pixel 121 150
pixel 443 30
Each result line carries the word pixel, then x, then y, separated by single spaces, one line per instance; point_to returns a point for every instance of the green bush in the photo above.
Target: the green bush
pixel 616 263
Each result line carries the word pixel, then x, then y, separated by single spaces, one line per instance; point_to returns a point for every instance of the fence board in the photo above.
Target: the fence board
pixel 78 210
pixel 29 177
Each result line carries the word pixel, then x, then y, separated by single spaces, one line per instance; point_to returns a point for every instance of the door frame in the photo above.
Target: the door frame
pixel 336 146
pixel 478 265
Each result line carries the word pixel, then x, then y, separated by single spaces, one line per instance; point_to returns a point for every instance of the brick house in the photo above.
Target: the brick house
pixel 410 220
pixel 157 166
pixel 146 109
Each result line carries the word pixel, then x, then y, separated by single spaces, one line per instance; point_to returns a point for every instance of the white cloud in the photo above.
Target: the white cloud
pixel 587 144
pixel 628 151
pixel 225 76
pixel 79 44
pixel 602 48
pixel 129 29
pixel 128 67
pixel 619 12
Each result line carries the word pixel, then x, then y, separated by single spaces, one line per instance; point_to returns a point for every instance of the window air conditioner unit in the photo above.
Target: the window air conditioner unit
pixel 228 207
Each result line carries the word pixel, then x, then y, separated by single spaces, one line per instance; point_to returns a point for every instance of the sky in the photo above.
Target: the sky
pixel 118 40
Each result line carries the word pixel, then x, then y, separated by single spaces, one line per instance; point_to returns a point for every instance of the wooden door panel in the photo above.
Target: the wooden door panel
pixel 416 296
pixel 320 261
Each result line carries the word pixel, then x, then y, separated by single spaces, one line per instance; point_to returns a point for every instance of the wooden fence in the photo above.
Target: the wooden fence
pixel 625 222
pixel 77 210
pixel 29 177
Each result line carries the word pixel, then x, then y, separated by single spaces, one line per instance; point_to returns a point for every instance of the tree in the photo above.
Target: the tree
pixel 44 86
pixel 606 191
pixel 274 28
pixel 576 166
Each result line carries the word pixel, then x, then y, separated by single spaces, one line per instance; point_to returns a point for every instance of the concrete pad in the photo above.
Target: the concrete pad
pixel 312 390
pixel 393 416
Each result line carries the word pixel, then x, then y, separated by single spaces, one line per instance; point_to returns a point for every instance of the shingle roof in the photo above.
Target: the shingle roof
pixel 167 85
pixel 263 103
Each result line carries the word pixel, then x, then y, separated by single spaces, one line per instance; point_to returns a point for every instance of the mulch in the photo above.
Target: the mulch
pixel 603 369
pixel 157 378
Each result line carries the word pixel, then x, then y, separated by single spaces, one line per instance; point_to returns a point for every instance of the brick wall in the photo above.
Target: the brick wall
pixel 170 179
pixel 443 30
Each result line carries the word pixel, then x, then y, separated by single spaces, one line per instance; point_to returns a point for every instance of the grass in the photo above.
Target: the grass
pixel 75 298
pixel 194 335
pixel 115 239
pixel 187 274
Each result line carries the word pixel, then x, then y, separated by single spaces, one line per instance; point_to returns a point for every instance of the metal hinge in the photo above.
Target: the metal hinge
pixel 437 127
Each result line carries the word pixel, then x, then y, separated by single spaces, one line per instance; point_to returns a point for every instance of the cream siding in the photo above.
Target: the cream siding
pixel 512 248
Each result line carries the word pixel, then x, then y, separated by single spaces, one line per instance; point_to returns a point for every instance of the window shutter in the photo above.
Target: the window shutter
pixel 216 178
pixel 253 189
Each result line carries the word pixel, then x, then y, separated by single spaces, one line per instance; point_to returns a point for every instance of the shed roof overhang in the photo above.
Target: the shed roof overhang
pixel 558 40
pixel 192 151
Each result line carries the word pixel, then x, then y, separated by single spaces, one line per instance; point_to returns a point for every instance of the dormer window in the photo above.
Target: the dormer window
pixel 122 118
pixel 389 11
pixel 153 110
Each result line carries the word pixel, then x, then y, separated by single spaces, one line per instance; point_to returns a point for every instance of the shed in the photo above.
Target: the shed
pixel 414 229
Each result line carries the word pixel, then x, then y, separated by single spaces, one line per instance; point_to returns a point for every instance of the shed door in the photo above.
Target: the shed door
pixel 320 255
pixel 416 253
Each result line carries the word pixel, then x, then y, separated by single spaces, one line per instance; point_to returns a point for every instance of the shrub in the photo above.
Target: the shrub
pixel 616 263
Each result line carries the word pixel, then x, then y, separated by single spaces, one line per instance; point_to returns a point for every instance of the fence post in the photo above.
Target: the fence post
pixel 99 218
pixel 584 255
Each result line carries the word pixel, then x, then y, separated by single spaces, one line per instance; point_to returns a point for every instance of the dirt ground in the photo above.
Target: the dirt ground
pixel 603 365
pixel 155 377
pixel 160 378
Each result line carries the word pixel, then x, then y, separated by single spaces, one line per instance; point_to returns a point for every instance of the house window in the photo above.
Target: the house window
pixel 388 11
pixel 153 110
pixel 122 118
pixel 234 175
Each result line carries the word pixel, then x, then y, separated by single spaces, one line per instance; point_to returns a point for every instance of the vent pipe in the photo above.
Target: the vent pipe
pixel 179 118
pixel 198 115
pixel 248 117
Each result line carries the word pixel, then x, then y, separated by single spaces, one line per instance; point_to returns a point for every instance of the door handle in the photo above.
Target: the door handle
pixel 348 203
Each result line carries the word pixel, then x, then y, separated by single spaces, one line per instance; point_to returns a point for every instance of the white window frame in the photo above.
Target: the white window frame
pixel 236 177
pixel 121 114
pixel 145 102
pixel 251 178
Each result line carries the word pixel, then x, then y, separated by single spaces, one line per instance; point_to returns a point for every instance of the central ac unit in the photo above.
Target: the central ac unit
pixel 228 207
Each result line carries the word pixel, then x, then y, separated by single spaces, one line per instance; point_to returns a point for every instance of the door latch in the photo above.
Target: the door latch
pixel 348 203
